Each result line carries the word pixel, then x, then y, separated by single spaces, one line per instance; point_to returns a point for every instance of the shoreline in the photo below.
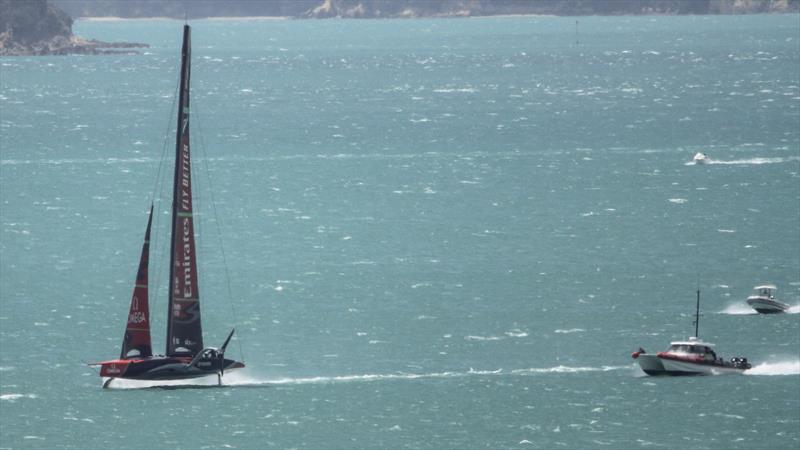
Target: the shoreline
pixel 217 18
pixel 452 16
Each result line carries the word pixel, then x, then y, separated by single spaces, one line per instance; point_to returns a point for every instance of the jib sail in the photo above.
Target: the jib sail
pixel 136 342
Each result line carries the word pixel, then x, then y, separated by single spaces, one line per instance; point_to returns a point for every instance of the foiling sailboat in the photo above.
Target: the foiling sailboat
pixel 185 356
pixel 690 357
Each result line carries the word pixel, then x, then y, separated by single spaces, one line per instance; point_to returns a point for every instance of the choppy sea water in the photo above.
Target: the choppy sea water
pixel 439 233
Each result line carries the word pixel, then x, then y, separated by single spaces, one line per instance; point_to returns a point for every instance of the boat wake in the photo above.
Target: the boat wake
pixel 754 161
pixel 417 376
pixel 241 379
pixel 786 367
pixel 738 309
pixel 743 162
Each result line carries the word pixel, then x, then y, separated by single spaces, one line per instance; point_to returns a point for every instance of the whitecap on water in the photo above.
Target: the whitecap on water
pixel 570 331
pixel 14 397
pixel 467 90
pixel 516 333
pixel 482 338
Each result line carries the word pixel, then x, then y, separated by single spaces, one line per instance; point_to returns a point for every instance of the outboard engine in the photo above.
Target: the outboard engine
pixel 740 363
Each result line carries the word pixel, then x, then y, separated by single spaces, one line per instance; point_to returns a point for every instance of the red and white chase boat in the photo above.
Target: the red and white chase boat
pixel 689 357
pixel 185 355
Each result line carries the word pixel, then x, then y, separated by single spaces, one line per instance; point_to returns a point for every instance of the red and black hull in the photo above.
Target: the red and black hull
pixel 162 368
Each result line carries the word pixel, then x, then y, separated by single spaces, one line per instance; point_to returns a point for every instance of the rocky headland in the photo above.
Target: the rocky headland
pixel 34 27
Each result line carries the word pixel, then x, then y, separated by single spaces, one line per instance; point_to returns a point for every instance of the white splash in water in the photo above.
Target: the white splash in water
pixel 738 309
pixel 121 383
pixel 789 367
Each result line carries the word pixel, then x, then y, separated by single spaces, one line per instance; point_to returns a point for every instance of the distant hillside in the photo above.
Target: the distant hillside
pixel 34 27
pixel 466 8
pixel 413 8
pixel 39 27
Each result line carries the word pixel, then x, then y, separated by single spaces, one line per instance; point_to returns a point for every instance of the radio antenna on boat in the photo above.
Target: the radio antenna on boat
pixel 697 314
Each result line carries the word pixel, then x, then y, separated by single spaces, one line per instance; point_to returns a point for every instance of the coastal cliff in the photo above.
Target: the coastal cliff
pixel 34 27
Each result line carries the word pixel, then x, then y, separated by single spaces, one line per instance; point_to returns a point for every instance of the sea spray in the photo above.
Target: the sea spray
pixel 781 367
pixel 738 309
pixel 741 308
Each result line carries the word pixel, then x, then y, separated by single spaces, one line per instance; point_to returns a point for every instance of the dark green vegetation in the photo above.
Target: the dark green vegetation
pixel 27 22
pixel 35 27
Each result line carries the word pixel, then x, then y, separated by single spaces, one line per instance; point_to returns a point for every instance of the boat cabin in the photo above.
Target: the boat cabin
pixel 764 291
pixel 692 347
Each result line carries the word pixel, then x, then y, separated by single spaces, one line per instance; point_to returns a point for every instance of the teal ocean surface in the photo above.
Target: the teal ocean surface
pixel 438 233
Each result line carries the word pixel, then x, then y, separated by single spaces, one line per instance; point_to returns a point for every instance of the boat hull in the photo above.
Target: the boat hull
pixel 697 368
pixel 161 368
pixel 767 306
pixel 651 365
pixel 656 365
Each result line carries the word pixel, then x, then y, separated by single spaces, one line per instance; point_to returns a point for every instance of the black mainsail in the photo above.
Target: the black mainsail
pixel 184 331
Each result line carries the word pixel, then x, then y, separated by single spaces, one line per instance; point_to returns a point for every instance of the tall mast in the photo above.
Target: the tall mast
pixel 697 315
pixel 184 332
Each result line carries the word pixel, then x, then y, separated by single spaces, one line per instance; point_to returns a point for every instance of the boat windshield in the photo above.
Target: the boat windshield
pixel 680 348
pixel 690 349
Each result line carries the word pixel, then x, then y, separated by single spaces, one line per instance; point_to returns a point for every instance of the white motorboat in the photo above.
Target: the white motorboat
pixel 689 357
pixel 700 158
pixel 764 301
